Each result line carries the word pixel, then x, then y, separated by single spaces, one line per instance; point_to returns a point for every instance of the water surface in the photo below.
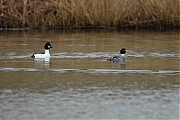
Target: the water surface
pixel 78 81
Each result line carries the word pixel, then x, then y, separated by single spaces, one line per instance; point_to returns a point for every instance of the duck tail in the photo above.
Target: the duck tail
pixel 33 56
pixel 110 59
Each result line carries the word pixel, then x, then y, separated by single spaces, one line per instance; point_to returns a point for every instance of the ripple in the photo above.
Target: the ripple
pixel 78 103
pixel 164 55
pixel 110 54
pixel 168 72
pixel 151 54
pixel 82 55
pixel 24 44
pixel 92 71
pixel 19 69
pixel 118 71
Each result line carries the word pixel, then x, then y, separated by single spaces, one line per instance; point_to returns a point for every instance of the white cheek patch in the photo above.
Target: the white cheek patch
pixel 49 46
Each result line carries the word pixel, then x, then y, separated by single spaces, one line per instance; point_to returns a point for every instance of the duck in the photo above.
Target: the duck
pixel 120 58
pixel 44 54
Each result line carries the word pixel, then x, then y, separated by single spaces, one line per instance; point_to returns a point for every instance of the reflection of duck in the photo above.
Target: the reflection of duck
pixel 46 54
pixel 42 62
pixel 121 58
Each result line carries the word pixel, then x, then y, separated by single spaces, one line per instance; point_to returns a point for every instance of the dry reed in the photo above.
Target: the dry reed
pixel 89 13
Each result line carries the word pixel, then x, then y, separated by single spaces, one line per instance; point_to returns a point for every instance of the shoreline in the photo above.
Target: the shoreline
pixel 92 28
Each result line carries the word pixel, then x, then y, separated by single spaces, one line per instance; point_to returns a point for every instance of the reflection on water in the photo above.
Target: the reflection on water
pixel 71 94
pixel 42 62
pixel 92 102
pixel 79 83
pixel 122 66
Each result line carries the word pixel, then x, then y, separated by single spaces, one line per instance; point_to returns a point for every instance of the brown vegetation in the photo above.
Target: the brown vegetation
pixel 89 13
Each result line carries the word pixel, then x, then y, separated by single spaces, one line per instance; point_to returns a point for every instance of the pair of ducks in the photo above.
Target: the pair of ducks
pixel 121 58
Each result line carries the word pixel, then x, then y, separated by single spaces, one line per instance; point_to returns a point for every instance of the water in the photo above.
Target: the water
pixel 79 83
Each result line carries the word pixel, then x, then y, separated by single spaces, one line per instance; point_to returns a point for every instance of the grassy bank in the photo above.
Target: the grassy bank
pixel 111 14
